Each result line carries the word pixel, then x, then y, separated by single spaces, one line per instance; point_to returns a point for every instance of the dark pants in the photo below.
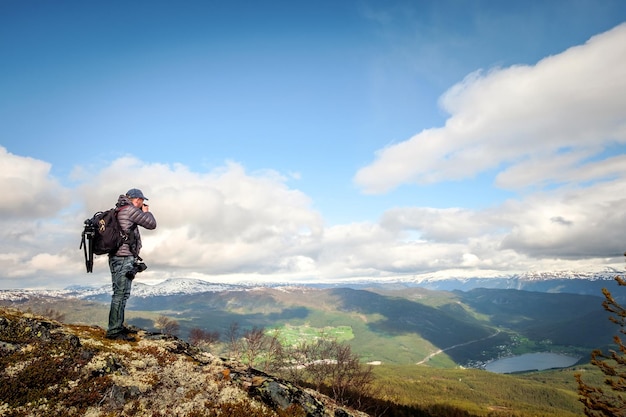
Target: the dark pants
pixel 119 266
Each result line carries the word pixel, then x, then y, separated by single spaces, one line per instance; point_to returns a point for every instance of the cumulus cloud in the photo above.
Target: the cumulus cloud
pixel 550 132
pixel 222 221
pixel 569 106
pixel 556 229
pixel 228 224
pixel 570 223
pixel 440 225
pixel 28 190
pixel 33 212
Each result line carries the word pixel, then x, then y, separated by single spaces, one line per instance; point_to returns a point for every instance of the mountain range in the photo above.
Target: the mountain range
pixel 407 327
pixel 401 322
pixel 588 283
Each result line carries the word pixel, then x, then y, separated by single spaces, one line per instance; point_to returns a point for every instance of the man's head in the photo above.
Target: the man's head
pixel 136 193
pixel 136 197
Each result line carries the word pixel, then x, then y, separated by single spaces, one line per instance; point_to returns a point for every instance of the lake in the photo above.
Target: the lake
pixel 531 361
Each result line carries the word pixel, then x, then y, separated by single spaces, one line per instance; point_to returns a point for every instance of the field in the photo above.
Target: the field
pixel 548 394
pixel 293 335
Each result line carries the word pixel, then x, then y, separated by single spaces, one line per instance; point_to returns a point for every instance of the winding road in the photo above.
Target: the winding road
pixel 427 358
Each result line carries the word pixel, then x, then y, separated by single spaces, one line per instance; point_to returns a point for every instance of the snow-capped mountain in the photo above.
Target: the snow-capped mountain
pixel 173 286
pixel 590 283
pixel 606 274
pixel 559 281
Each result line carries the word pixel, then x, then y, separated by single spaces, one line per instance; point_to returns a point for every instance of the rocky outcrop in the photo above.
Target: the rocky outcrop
pixel 51 369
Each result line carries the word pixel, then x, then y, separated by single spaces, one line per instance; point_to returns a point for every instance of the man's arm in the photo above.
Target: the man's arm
pixel 142 218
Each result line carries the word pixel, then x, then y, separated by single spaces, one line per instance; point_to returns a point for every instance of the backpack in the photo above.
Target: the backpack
pixel 102 235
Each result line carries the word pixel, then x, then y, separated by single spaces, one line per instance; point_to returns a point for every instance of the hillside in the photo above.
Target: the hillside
pixel 403 326
pixel 389 325
pixel 392 326
pixel 50 369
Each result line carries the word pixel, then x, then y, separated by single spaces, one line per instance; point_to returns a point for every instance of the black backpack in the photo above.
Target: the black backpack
pixel 103 235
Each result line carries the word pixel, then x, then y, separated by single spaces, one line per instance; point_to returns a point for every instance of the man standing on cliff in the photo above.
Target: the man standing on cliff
pixel 125 263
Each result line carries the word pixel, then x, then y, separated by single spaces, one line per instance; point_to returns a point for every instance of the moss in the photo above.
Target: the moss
pixel 48 369
pixel 88 393
pixel 162 356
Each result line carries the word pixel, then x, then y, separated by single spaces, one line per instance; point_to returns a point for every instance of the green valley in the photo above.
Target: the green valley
pixel 428 346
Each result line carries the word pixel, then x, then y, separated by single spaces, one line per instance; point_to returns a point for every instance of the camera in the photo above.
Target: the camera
pixel 137 267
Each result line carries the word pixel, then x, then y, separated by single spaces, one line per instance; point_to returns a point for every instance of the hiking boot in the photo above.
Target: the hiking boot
pixel 121 336
pixel 129 330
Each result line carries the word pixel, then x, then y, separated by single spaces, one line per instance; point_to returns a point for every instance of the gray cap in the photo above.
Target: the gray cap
pixel 135 193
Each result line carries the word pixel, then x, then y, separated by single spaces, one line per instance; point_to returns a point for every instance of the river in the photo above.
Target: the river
pixel 531 361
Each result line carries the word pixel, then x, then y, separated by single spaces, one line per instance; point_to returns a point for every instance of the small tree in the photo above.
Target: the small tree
pixel 291 361
pixel 203 338
pixel 167 325
pixel 53 314
pixel 253 343
pixel 329 365
pixel 349 379
pixel 609 401
pixel 273 350
pixel 321 356
pixel 234 344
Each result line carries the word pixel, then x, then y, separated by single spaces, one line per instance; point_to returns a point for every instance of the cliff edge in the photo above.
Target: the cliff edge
pixel 53 369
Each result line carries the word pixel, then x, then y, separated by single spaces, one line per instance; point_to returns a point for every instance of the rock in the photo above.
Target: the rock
pixel 75 371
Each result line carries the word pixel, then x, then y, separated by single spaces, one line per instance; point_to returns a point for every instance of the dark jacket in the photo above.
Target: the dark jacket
pixel 128 216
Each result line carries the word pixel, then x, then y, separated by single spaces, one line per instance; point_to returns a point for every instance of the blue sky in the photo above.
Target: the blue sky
pixel 301 141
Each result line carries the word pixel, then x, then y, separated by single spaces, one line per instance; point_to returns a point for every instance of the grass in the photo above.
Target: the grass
pixel 547 393
pixel 439 381
pixel 292 335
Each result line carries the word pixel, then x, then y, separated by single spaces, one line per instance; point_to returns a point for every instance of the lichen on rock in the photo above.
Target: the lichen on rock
pixel 51 369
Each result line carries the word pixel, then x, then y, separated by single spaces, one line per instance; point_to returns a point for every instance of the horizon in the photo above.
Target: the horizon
pixel 284 142
pixel 416 281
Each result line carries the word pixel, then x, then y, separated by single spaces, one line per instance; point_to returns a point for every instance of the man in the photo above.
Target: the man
pixel 132 213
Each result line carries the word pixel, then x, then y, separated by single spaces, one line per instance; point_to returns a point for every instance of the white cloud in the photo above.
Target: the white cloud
pixel 553 132
pixel 218 223
pixel 228 224
pixel 570 223
pixel 27 188
pixel 221 221
pixel 441 225
pixel 32 229
pixel 569 104
pixel 548 130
